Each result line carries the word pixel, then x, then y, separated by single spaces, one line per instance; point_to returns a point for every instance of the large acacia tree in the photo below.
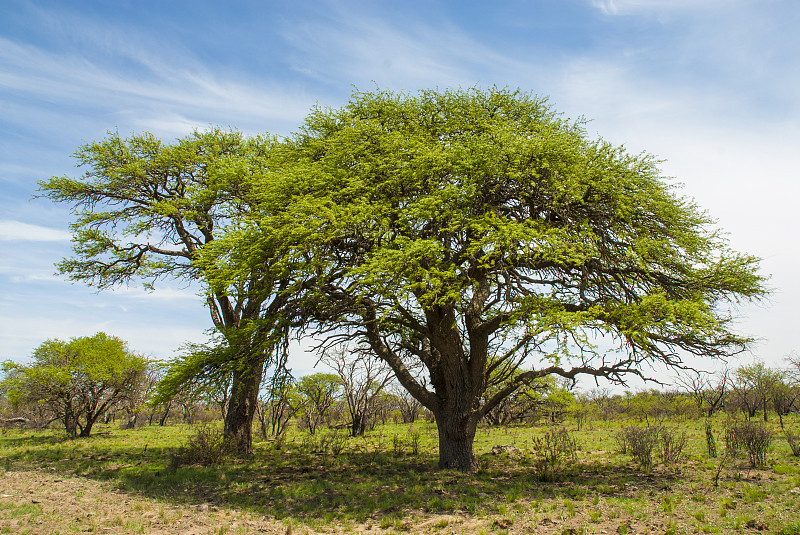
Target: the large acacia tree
pixel 475 240
pixel 144 210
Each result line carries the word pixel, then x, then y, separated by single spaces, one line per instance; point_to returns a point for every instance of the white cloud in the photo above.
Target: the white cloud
pixel 158 294
pixel 619 7
pixel 359 48
pixel 155 94
pixel 18 231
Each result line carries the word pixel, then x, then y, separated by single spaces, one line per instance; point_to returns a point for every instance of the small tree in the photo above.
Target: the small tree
pixel 753 387
pixel 280 402
pixel 409 407
pixel 363 378
pixel 78 381
pixel 136 403
pixel 319 392
pixel 784 396
pixel 709 395
pixel 145 210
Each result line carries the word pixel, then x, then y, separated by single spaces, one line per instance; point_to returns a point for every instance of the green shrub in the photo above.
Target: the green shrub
pixel 671 446
pixel 206 447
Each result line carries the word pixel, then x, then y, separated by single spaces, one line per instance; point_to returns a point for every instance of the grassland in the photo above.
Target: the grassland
pixel 139 481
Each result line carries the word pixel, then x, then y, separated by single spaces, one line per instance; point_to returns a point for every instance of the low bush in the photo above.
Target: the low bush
pixel 206 447
pixel 750 437
pixel 671 446
pixel 793 439
pixel 640 443
pixel 555 447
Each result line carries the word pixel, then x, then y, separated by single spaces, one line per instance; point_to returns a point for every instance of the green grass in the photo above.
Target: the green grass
pixel 389 479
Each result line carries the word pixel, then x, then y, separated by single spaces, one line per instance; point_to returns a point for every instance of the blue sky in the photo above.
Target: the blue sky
pixel 710 86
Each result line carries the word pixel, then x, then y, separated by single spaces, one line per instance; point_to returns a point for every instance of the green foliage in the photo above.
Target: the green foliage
pixel 792 528
pixel 206 447
pixel 146 210
pixel 474 240
pixel 143 208
pixel 469 232
pixel 201 369
pixel 317 394
pixel 77 381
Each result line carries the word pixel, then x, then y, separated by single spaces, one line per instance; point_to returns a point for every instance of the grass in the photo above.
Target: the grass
pixel 388 480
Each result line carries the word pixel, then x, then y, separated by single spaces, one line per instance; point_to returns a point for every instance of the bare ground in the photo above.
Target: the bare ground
pixel 46 502
pixel 40 502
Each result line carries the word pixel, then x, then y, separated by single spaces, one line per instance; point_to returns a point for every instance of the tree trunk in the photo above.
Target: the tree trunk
pixel 456 441
pixel 242 405
pixel 163 420
pixel 71 425
pixel 86 430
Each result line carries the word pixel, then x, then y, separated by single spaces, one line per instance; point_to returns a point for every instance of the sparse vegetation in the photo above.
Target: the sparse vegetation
pixel 793 439
pixel 383 481
pixel 752 438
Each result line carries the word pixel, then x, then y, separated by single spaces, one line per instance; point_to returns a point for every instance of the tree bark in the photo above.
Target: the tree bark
pixel 456 440
pixel 71 425
pixel 243 404
pixel 87 429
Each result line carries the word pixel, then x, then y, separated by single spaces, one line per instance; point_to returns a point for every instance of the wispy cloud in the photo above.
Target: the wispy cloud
pixel 159 294
pixel 359 48
pixel 148 93
pixel 620 7
pixel 18 231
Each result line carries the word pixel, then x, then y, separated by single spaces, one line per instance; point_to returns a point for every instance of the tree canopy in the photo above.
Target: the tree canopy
pixel 476 238
pixel 144 210
pixel 473 240
pixel 78 381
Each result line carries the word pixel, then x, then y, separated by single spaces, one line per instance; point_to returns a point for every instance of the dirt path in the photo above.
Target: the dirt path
pixel 38 502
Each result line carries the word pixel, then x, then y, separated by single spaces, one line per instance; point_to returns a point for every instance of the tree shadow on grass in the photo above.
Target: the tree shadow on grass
pixel 359 487
pixel 352 486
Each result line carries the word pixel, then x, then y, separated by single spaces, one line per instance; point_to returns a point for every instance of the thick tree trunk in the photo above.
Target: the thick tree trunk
pixel 242 406
pixel 456 441
pixel 357 426
pixel 71 425
pixel 87 429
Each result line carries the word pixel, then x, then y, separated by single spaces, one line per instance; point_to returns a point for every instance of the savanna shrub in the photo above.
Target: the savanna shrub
pixel 552 450
pixel 555 447
pixel 330 441
pixel 621 438
pixel 793 439
pixel 751 437
pixel 640 443
pixel 671 446
pixel 206 447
